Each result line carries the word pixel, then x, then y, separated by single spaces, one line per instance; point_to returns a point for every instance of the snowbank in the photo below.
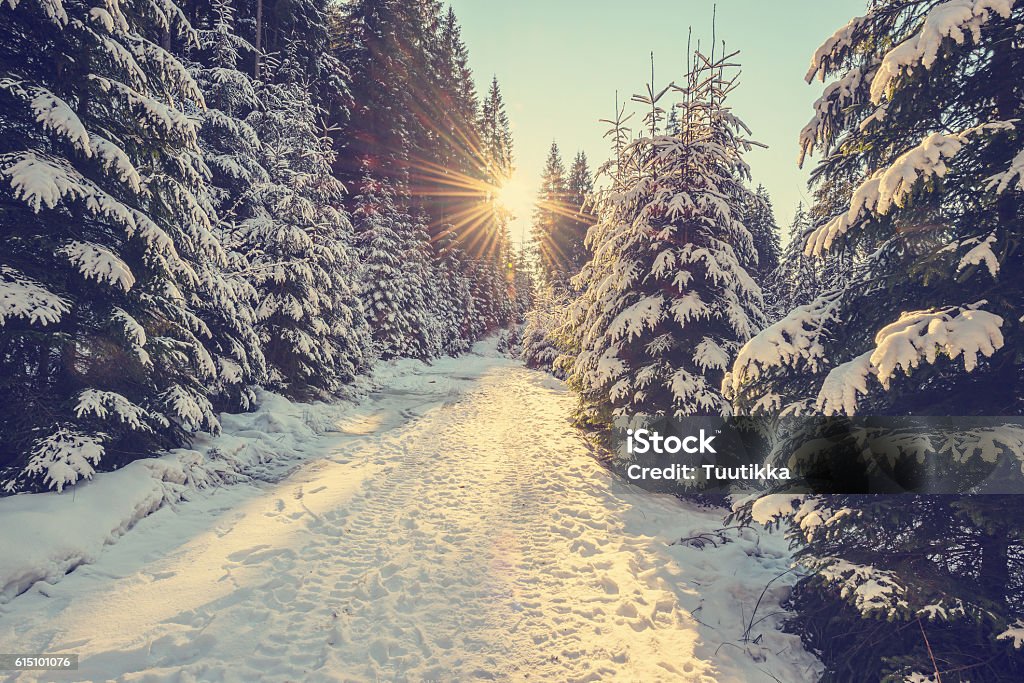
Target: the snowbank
pixel 46 535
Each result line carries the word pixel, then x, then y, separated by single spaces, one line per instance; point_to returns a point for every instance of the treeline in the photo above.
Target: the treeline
pixel 898 293
pixel 201 198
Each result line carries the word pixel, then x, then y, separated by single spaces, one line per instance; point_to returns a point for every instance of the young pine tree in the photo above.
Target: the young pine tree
pixel 666 300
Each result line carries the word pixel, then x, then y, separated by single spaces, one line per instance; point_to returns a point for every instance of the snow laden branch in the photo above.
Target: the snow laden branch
pixel 920 335
pixel 1014 634
pixel 98 263
pixel 22 297
pixel 867 588
pixel 795 340
pixel 890 187
pixel 955 19
pixel 65 457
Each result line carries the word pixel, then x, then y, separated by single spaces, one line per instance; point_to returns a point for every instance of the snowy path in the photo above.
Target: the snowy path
pixel 456 528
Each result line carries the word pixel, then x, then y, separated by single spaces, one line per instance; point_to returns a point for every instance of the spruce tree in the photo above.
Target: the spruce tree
pixel 759 218
pixel 393 273
pixel 579 186
pixel 232 151
pixel 496 136
pixel 540 343
pixel 454 298
pixel 298 242
pixel 380 47
pixel 798 278
pixel 923 120
pixel 549 218
pixel 667 301
pixel 108 251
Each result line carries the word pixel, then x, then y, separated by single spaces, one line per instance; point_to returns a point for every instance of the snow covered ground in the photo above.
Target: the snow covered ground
pixel 452 526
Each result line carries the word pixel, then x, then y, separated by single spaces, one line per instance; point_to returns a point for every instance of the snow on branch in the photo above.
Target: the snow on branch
pixel 869 589
pixel 53 9
pixel 191 409
pixel 891 186
pixel 1005 180
pixel 106 404
pixel 952 332
pixel 986 443
pixel 840 41
pixel 153 115
pixel 843 385
pixel 135 334
pixel 99 263
pixel 42 180
pixel 633 321
pixel 114 160
pixel 829 109
pixel 66 456
pixel 954 19
pixel 1015 634
pixel 807 513
pixel 794 339
pixel 55 115
pixel 981 253
pixel 22 297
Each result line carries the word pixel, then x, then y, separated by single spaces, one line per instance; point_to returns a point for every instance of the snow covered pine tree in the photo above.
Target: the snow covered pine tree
pixel 298 242
pixel 233 153
pixel 667 299
pixel 925 116
pixel 108 253
pixel 395 284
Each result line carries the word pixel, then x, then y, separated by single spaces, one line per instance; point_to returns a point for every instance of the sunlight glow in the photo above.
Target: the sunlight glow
pixel 516 197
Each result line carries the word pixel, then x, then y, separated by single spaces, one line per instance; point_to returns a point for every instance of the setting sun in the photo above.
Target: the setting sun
pixel 516 196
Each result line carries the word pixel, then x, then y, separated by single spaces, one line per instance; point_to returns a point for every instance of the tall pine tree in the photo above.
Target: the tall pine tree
pixel 549 217
pixel 108 251
pixel 923 119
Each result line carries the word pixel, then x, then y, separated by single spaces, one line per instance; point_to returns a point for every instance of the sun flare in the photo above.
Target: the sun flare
pixel 515 196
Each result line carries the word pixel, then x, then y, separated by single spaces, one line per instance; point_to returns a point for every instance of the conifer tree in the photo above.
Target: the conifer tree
pixel 549 217
pixel 455 161
pixel 540 345
pixel 298 241
pixel 380 48
pixel 496 136
pixel 393 274
pixel 579 186
pixel 455 298
pixel 798 278
pixel 108 251
pixel 923 119
pixel 759 218
pixel 232 151
pixel 666 300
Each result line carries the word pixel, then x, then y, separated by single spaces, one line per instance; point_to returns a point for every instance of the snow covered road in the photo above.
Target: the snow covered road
pixel 453 527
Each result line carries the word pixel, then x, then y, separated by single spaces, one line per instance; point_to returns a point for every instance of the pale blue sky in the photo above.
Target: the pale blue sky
pixel 560 62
